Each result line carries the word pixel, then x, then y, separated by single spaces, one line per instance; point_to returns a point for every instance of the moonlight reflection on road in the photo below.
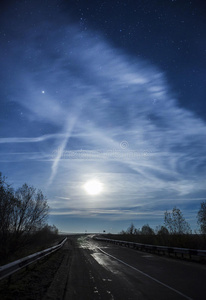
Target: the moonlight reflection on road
pixel 93 187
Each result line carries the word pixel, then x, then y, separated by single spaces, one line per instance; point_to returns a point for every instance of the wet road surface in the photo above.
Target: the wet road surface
pixel 100 270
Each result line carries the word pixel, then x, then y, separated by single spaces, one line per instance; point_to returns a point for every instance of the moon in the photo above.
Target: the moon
pixel 93 187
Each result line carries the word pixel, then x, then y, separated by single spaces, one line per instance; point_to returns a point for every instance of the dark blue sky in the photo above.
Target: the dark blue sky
pixel 112 91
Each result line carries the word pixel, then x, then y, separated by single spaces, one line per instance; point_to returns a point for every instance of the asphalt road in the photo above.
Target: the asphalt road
pixel 103 271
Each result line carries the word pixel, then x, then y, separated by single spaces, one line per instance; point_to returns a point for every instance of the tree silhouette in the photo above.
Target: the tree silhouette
pixel 201 216
pixel 176 223
pixel 147 230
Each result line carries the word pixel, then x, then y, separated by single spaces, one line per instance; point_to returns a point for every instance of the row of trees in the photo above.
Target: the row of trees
pixel 174 223
pixel 23 213
pixel 175 232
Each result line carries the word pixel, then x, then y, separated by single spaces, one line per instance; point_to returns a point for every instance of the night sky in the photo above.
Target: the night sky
pixel 111 91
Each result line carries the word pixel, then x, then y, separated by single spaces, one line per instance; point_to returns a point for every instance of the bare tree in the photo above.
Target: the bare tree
pixel 163 231
pixel 22 212
pixel 7 203
pixel 31 211
pixel 201 216
pixel 131 229
pixel 147 230
pixel 176 223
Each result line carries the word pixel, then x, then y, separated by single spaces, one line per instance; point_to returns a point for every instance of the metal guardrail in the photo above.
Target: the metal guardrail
pixel 158 249
pixel 17 265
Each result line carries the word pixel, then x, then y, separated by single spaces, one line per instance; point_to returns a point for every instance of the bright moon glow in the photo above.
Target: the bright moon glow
pixel 93 187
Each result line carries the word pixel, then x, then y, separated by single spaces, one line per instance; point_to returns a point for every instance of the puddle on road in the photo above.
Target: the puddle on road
pixel 86 243
pixel 100 259
pixel 106 262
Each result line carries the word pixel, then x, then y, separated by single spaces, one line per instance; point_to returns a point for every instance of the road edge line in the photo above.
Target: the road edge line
pixel 156 280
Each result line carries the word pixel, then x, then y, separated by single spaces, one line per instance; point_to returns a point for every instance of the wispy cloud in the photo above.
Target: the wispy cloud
pixel 31 139
pixel 61 149
pixel 116 109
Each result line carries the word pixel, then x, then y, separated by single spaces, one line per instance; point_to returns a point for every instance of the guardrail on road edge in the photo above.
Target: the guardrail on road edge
pixel 17 265
pixel 146 247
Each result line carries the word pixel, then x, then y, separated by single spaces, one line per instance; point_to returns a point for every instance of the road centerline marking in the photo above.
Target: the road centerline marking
pixel 141 272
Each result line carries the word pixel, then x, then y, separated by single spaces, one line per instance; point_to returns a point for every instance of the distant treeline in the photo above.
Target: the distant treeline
pixel 23 220
pixel 175 232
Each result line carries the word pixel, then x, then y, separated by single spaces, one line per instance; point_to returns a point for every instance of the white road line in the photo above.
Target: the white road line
pixel 156 280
